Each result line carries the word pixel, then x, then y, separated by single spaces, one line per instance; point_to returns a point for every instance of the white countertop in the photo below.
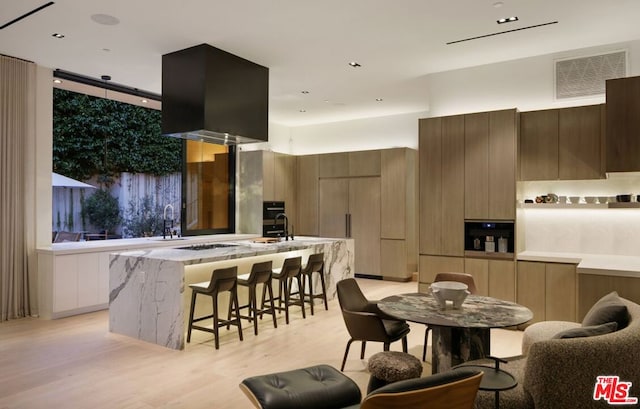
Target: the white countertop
pixel 115 245
pixel 237 249
pixel 598 264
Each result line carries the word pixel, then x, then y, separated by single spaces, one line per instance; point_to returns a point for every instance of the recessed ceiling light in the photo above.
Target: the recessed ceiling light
pixel 144 101
pixel 105 77
pixel 57 35
pixel 498 4
pixel 304 92
pixel 507 20
pixel 303 110
pixel 57 81
pixel 379 99
pixel 354 64
pixel 105 19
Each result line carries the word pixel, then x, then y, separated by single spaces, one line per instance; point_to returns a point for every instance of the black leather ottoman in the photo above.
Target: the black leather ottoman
pixel 316 387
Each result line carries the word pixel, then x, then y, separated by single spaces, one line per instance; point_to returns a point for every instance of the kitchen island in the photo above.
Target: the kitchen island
pixel 149 291
pixel 73 277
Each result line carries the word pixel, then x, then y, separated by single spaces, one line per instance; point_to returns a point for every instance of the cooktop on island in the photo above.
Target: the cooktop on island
pixel 207 246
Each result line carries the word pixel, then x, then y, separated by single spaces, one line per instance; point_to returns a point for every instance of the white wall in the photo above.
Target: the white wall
pixel 526 84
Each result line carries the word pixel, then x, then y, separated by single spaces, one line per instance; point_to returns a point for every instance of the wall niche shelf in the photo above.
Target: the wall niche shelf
pixel 615 205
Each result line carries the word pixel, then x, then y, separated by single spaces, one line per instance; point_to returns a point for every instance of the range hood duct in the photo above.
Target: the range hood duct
pixel 211 95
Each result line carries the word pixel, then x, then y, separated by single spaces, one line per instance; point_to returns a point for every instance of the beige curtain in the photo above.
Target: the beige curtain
pixel 17 91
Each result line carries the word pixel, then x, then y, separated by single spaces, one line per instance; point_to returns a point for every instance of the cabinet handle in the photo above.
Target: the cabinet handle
pixel 349 225
pixel 346 225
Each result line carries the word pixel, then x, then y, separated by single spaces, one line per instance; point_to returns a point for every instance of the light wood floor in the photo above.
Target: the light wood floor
pixel 77 363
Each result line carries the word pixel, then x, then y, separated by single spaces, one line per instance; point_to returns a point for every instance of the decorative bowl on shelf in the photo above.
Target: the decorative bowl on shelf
pixel 574 199
pixel 449 293
pixel 623 198
pixel 590 199
pixel 603 199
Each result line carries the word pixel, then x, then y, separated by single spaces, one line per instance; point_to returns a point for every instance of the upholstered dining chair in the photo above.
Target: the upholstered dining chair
pixel 365 322
pixel 455 389
pixel 459 277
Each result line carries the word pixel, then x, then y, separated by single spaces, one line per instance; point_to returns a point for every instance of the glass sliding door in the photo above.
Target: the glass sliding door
pixel 208 186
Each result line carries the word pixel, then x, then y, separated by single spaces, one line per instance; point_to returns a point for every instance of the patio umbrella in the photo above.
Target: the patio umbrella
pixel 58 180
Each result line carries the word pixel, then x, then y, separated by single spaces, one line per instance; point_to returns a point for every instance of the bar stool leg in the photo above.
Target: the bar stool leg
pixel 311 299
pixel 237 312
pixel 273 309
pixel 253 307
pixel 193 306
pixel 216 322
pixel 324 290
pixel 301 291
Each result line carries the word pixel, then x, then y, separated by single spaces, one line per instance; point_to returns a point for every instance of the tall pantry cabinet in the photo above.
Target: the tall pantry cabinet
pixel 467 170
pixel 368 196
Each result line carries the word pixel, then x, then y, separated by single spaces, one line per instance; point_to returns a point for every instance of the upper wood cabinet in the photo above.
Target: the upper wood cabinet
pixel 539 145
pixel 307 224
pixel 581 142
pixel 347 164
pixel 623 125
pixel 490 165
pixel 441 173
pixel 565 144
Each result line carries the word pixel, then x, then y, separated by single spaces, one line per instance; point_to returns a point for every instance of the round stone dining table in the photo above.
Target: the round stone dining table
pixel 458 335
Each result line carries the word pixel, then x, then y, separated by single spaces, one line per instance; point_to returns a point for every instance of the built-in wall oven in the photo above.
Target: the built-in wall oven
pixel 272 227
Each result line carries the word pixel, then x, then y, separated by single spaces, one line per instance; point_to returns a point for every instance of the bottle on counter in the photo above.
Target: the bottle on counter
pixel 489 245
pixel 502 245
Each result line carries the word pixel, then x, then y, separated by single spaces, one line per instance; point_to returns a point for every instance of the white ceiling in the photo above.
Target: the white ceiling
pixel 307 44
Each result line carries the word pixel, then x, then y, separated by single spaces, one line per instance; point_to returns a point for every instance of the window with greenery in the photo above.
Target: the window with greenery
pixel 97 136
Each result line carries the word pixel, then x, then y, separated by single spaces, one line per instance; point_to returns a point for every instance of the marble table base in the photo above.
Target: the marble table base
pixel 453 346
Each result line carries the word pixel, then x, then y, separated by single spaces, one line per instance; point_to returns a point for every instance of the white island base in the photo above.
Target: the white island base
pixel 149 295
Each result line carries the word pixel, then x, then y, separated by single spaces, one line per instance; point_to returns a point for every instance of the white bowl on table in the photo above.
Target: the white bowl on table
pixel 452 291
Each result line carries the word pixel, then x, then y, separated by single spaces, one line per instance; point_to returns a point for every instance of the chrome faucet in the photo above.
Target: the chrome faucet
pixel 286 224
pixel 164 222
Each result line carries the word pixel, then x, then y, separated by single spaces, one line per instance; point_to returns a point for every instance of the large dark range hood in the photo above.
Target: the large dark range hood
pixel 209 94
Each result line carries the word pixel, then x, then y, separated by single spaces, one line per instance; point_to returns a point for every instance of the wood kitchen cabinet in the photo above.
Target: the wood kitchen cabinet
pixel 347 164
pixel 350 207
pixel 398 213
pixel 441 172
pixel 565 144
pixel 307 200
pixel 581 142
pixel 623 125
pixel 490 165
pixel 494 278
pixel 548 290
pixel 432 265
pixel 539 145
pixel 279 181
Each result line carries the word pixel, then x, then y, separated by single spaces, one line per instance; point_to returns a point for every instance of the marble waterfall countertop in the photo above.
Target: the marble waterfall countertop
pixel 196 253
pixel 598 264
pixel 149 295
pixel 114 245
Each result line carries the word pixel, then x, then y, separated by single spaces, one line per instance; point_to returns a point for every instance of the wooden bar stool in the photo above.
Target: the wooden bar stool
pixel 315 264
pixel 222 279
pixel 290 270
pixel 260 274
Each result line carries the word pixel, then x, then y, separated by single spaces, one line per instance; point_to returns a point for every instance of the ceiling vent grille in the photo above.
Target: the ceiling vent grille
pixel 586 76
